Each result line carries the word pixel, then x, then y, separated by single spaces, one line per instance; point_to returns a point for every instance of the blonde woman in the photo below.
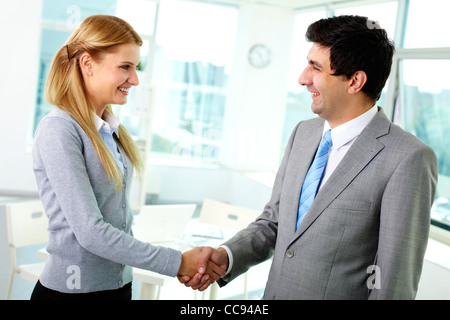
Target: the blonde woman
pixel 83 160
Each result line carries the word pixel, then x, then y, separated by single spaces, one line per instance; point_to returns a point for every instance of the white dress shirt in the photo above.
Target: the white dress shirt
pixel 106 129
pixel 343 137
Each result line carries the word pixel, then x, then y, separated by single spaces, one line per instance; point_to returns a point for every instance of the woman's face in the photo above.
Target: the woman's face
pixel 108 81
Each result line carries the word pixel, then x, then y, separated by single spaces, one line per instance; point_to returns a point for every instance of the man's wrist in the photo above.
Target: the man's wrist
pixel 230 257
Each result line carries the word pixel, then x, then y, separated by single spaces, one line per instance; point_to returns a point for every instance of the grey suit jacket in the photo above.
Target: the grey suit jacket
pixel 365 235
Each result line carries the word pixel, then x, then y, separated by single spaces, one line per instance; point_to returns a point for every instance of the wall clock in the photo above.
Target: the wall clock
pixel 259 56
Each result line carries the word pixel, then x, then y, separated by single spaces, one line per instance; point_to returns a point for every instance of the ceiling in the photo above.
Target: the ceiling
pixel 292 4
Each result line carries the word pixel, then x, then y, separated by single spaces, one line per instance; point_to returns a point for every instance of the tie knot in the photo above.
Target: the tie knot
pixel 326 143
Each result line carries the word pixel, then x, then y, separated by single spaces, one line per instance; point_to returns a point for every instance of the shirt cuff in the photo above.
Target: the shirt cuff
pixel 230 259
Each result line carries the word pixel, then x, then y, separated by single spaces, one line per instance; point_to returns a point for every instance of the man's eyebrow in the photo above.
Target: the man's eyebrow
pixel 313 62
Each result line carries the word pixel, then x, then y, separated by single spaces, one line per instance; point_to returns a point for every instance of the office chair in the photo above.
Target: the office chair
pixel 227 216
pixel 27 225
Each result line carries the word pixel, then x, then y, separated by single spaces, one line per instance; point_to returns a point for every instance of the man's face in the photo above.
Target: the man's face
pixel 328 92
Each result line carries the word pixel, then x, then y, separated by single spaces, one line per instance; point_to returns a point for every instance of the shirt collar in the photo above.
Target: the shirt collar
pixel 351 129
pixel 110 123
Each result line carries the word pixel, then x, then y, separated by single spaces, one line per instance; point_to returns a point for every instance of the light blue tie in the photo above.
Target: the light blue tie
pixel 313 177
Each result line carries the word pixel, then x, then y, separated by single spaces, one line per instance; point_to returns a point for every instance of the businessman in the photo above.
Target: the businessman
pixel 349 213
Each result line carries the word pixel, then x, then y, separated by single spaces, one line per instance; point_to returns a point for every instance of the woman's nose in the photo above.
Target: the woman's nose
pixel 133 79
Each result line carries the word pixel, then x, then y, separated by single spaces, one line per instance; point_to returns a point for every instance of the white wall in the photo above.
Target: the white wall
pixel 192 185
pixel 20 21
pixel 255 107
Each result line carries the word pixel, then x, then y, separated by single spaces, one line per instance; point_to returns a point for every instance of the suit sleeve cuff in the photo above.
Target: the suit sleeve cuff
pixel 230 259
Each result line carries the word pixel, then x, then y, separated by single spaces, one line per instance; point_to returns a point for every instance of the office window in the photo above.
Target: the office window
pixel 427 24
pixel 424 92
pixel 424 110
pixel 194 51
pixel 52 40
pixel 385 13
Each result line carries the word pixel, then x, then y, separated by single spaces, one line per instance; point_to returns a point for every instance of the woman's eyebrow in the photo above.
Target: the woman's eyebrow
pixel 128 62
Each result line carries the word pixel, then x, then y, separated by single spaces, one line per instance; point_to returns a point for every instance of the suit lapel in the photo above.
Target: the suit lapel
pixel 302 155
pixel 363 150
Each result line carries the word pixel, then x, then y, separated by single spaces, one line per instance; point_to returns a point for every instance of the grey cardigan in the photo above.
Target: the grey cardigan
pixel 90 244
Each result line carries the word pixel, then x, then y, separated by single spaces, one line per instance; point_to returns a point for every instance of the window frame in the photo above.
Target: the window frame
pixel 438 231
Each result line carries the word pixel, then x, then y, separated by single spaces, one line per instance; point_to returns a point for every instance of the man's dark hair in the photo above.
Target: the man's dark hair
pixel 356 44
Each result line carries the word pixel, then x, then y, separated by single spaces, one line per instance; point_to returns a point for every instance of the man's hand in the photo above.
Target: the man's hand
pixel 196 264
pixel 214 261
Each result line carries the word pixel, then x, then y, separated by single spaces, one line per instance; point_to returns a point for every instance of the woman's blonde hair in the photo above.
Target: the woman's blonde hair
pixel 96 35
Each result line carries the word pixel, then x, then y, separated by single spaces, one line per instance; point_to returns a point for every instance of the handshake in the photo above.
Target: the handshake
pixel 201 266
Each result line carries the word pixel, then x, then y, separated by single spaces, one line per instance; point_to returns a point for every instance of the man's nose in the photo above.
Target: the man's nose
pixel 305 77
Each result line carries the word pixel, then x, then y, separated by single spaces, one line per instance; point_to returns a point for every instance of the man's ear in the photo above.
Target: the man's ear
pixel 86 64
pixel 357 81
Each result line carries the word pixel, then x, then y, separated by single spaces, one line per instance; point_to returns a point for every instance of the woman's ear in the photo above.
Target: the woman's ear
pixel 86 64
pixel 357 82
